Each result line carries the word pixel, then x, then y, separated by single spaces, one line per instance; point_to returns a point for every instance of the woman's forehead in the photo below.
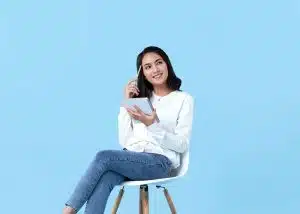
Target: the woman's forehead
pixel 150 58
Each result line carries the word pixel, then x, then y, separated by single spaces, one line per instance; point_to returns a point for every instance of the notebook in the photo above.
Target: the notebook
pixel 142 102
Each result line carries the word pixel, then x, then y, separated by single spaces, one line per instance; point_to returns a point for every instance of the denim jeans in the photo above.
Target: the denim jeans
pixel 110 168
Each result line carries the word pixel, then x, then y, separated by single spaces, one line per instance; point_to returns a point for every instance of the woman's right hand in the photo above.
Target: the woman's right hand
pixel 131 90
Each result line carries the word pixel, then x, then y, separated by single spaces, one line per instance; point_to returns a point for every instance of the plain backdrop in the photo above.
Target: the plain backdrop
pixel 63 67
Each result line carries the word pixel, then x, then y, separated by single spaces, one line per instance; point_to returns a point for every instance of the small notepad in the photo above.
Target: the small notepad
pixel 142 102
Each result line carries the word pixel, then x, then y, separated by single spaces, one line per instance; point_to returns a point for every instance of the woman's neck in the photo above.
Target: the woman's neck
pixel 161 91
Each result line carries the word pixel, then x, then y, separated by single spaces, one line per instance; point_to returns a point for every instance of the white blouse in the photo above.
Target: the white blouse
pixel 169 137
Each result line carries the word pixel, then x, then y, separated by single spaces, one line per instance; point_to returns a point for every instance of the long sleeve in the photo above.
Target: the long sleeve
pixel 177 139
pixel 124 127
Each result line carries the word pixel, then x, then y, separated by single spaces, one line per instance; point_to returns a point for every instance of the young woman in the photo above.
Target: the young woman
pixel 151 149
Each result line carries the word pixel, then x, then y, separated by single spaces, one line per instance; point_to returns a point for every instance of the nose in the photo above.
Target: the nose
pixel 155 69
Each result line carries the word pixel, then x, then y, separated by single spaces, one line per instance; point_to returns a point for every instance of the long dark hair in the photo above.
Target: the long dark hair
pixel 145 87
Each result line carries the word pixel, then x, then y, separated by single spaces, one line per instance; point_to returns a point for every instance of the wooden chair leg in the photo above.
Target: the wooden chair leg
pixel 140 201
pixel 145 199
pixel 118 201
pixel 170 202
pixel 169 199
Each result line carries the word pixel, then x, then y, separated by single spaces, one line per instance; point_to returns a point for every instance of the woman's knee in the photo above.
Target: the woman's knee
pixel 106 155
pixel 103 155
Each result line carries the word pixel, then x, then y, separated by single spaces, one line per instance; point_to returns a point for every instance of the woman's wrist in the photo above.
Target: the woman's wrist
pixel 151 121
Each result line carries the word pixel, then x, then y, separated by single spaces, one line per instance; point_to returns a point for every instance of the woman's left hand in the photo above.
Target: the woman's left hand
pixel 138 114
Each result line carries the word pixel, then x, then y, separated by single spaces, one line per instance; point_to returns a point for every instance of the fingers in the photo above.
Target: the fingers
pixel 133 113
pixel 138 114
pixel 138 109
pixel 132 89
pixel 134 92
pixel 130 111
pixel 133 86
pixel 154 111
pixel 132 82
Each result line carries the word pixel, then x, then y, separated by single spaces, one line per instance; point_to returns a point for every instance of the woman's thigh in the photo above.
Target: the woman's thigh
pixel 135 165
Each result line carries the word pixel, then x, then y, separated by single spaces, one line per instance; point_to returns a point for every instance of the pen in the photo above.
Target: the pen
pixel 139 70
pixel 134 81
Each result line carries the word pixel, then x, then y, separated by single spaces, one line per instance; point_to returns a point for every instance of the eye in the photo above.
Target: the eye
pixel 147 67
pixel 159 62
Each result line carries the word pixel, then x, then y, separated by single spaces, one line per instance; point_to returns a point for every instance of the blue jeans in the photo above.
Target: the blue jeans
pixel 110 168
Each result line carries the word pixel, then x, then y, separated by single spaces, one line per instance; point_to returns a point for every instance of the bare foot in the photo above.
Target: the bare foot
pixel 68 210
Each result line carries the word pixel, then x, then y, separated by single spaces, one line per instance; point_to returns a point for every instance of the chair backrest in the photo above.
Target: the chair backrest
pixel 184 165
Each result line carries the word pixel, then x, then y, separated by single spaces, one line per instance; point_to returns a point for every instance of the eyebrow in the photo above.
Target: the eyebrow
pixel 154 61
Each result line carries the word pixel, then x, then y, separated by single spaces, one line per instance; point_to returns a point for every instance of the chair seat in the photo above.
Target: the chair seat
pixel 146 182
pixel 144 203
pixel 144 195
pixel 175 174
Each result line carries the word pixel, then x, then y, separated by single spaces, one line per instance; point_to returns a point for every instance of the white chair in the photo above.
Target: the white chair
pixel 144 201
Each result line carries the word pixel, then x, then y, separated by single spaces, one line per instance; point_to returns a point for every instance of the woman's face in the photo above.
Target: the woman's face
pixel 155 69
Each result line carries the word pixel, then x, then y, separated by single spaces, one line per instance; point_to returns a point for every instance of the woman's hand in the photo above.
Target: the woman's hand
pixel 138 114
pixel 131 90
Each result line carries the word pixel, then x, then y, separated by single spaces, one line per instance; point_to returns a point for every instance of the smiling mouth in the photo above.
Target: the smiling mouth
pixel 157 76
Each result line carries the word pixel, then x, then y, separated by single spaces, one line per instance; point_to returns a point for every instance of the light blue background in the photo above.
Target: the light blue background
pixel 63 67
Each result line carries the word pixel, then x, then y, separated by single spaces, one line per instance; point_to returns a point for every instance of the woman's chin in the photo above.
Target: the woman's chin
pixel 158 82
